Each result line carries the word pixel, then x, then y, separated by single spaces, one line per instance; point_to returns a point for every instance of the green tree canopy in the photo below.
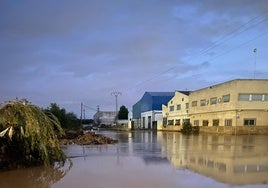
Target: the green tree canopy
pixel 28 135
pixel 67 120
pixel 123 113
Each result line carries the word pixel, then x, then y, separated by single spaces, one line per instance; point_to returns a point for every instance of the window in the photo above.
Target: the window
pixel 226 98
pixel 213 100
pixel 205 122
pixel 249 122
pixel 244 97
pixel 171 108
pixel 178 107
pixel 196 122
pixel 252 97
pixel 203 102
pixel 164 121
pixel 178 122
pixel 228 122
pixel 257 97
pixel 187 105
pixel 149 122
pixel 171 122
pixel 194 103
pixel 266 97
pixel 215 122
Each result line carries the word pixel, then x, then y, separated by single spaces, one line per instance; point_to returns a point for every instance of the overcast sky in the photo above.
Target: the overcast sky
pixel 70 52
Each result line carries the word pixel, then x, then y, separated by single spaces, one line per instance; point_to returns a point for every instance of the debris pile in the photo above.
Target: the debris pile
pixel 89 138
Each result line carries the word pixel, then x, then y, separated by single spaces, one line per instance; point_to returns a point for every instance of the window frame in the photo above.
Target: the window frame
pixel 205 123
pixel 249 120
pixel 213 100
pixel 228 122
pixel 224 97
pixel 194 103
pixel 203 102
pixel 216 122
pixel 178 107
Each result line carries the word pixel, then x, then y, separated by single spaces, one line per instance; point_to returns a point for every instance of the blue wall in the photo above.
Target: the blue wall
pixel 151 101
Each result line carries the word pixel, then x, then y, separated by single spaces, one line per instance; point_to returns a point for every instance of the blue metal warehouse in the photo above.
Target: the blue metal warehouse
pixel 151 101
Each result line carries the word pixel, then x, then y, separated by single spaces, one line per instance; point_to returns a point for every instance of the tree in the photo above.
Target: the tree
pixel 123 113
pixel 28 136
pixel 67 120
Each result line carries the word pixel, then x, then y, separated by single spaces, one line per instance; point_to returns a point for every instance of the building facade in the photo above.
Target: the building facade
pixel 148 110
pixel 236 106
pixel 176 111
pixel 106 118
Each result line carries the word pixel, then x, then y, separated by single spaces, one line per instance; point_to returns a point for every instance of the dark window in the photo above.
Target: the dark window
pixel 171 108
pixel 205 122
pixel 178 107
pixel 215 122
pixel 171 122
pixel 249 122
pixel 178 122
pixel 164 121
pixel 194 103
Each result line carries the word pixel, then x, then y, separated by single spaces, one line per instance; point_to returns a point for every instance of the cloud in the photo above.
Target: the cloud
pixel 58 51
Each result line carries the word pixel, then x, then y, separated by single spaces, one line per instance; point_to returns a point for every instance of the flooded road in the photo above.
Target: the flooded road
pixel 155 160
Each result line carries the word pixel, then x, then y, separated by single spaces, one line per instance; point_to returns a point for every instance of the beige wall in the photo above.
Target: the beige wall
pixel 235 110
pixel 176 114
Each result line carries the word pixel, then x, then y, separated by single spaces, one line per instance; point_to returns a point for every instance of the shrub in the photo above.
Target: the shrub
pixel 28 136
pixel 187 128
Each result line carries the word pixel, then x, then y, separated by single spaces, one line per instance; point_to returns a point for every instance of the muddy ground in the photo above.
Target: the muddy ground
pixel 89 138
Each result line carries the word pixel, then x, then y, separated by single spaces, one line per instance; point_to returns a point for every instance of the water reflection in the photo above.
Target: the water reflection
pixel 155 159
pixel 236 160
pixel 37 177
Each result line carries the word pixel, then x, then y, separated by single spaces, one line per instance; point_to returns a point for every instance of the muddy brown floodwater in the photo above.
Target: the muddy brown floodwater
pixel 155 160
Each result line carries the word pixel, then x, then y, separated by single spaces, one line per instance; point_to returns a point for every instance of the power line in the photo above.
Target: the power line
pixel 234 33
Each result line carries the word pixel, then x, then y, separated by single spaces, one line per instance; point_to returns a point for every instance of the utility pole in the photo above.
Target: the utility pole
pixel 255 52
pixel 116 94
pixel 81 113
pixel 84 110
pixel 98 114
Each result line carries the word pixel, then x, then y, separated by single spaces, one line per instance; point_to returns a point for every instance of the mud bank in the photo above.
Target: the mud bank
pixel 89 138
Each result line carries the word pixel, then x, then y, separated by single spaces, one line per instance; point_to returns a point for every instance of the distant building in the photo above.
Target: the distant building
pixel 104 118
pixel 239 106
pixel 148 110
